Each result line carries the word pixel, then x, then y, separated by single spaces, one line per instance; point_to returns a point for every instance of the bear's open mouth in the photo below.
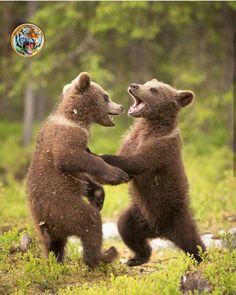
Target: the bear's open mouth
pixel 138 105
pixel 111 116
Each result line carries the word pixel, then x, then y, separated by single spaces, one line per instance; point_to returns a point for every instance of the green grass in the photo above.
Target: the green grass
pixel 213 198
pixel 29 274
pixel 13 204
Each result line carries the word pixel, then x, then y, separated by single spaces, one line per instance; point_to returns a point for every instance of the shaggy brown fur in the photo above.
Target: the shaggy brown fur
pixel 151 153
pixel 60 160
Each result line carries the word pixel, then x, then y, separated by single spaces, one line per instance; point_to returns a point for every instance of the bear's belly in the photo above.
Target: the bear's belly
pixel 45 182
pixel 157 195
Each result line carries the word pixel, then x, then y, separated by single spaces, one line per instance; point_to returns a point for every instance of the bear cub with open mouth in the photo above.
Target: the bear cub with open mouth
pixel 151 154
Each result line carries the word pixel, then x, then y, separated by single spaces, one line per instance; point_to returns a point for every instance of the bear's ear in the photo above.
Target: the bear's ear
pixel 83 81
pixel 66 88
pixel 154 80
pixel 185 97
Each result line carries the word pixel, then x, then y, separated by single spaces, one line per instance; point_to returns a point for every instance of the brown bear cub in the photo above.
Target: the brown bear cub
pixel 62 164
pixel 151 153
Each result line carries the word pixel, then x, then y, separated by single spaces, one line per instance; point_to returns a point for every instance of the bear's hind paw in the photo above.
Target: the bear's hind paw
pixel 136 261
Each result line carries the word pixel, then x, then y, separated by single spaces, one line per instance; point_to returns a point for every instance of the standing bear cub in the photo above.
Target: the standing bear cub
pixel 151 153
pixel 60 165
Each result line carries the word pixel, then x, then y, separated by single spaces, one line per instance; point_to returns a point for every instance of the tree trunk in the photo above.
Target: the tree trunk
pixel 234 105
pixel 29 102
pixel 29 99
pixel 229 69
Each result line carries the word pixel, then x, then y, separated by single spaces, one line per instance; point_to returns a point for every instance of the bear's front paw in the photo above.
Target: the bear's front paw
pixel 99 197
pixel 115 176
pixel 95 194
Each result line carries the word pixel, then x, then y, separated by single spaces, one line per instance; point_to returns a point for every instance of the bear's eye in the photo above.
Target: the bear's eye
pixel 106 98
pixel 153 90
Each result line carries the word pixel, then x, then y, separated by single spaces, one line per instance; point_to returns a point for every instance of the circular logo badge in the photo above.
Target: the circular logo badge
pixel 27 40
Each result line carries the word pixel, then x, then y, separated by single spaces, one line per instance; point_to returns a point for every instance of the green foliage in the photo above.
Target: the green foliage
pixel 166 280
pixel 144 23
pixel 116 201
pixel 92 64
pixel 24 270
pixel 212 186
pixel 44 273
pixel 185 44
pixel 8 240
pixel 220 271
pixel 13 204
pixel 228 240
pixel 14 159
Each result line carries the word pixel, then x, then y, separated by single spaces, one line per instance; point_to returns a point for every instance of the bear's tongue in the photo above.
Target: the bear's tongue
pixel 136 107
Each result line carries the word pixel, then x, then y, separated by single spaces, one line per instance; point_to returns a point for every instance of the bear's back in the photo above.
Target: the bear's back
pixel 45 179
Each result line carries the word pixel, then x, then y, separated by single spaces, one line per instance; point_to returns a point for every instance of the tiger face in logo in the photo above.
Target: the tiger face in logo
pixel 27 39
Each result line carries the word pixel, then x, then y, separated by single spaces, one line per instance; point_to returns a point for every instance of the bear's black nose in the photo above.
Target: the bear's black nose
pixel 134 86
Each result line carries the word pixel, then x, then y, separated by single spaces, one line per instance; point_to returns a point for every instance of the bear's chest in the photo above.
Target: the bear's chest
pixel 134 143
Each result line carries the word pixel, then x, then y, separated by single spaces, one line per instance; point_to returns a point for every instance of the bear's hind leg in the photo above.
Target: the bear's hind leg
pixel 185 235
pixel 92 253
pixel 88 227
pixel 134 230
pixel 58 248
pixel 55 245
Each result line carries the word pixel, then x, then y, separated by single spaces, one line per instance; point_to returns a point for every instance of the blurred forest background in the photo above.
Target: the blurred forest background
pixel 186 44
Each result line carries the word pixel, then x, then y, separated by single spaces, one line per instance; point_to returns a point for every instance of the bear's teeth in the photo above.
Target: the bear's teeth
pixel 136 108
